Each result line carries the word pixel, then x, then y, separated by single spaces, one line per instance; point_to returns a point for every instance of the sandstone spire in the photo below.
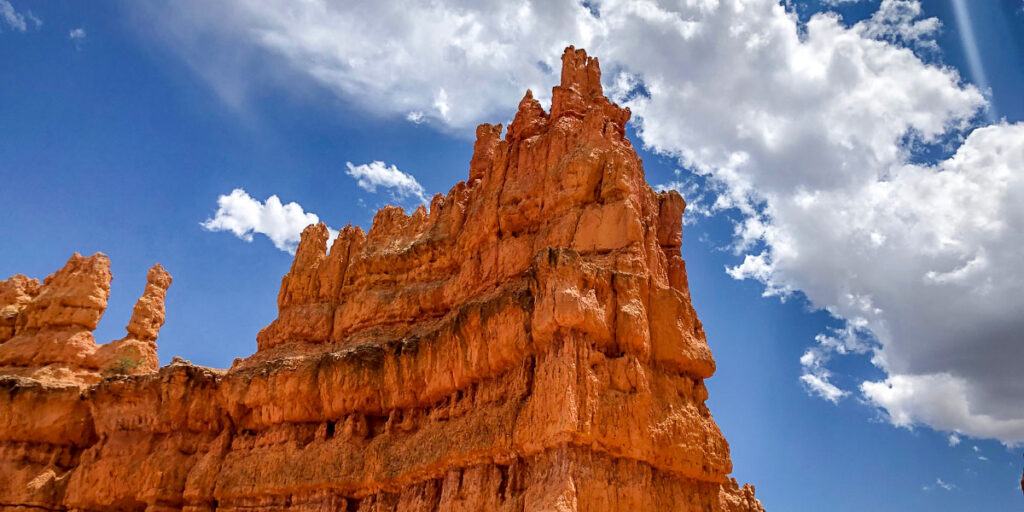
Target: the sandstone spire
pixel 526 343
pixel 136 352
pixel 148 315
pixel 46 330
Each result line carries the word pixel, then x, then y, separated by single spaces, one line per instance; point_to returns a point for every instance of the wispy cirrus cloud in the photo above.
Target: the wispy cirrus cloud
pixel 18 21
pixel 939 484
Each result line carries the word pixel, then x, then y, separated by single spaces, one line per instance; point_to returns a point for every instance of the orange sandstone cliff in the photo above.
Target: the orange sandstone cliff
pixel 526 344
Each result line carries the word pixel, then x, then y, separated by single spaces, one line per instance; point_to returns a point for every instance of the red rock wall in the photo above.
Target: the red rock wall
pixel 527 343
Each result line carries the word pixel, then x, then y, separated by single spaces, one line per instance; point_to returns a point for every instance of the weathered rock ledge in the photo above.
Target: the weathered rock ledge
pixel 528 343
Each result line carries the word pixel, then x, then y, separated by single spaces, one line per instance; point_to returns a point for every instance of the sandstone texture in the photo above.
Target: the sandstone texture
pixel 46 330
pixel 525 344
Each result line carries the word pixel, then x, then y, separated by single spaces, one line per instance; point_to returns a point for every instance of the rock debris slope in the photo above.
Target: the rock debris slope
pixel 526 344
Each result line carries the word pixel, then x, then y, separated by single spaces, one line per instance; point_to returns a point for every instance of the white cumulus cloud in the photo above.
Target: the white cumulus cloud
pixel 76 34
pixel 810 133
pixel 898 21
pixel 926 259
pixel 378 174
pixel 244 216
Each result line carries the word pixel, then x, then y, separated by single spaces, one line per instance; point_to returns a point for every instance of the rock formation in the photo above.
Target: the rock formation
pixel 526 344
pixel 46 331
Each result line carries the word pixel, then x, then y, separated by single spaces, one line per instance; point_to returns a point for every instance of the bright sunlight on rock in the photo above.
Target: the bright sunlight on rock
pixel 527 343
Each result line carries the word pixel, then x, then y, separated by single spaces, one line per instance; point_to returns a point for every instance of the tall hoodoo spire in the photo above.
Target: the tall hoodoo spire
pixel 149 313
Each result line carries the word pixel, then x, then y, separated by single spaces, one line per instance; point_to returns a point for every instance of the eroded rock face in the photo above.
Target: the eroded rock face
pixel 46 330
pixel 528 343
pixel 15 294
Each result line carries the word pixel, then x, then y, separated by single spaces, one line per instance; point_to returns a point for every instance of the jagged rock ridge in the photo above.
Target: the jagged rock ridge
pixel 528 343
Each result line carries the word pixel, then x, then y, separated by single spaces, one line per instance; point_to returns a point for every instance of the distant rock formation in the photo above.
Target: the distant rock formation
pixel 46 331
pixel 526 344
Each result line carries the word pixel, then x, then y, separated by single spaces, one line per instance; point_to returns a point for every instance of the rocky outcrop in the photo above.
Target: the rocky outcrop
pixel 15 294
pixel 46 331
pixel 136 352
pixel 526 343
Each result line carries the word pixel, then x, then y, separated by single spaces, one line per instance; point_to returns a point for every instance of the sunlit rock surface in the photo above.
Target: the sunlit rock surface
pixel 525 344
pixel 46 330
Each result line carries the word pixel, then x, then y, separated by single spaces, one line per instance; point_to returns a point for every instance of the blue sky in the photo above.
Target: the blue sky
pixel 121 124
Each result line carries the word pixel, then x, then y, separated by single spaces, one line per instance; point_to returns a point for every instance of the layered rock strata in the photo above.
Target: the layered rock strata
pixel 525 344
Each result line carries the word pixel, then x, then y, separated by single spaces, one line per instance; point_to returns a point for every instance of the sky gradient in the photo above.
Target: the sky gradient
pixel 123 124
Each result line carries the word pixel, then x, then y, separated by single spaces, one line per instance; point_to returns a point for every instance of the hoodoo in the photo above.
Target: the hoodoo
pixel 46 330
pixel 525 344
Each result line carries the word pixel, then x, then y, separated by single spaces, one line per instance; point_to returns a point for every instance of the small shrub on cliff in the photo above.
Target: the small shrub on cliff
pixel 123 364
